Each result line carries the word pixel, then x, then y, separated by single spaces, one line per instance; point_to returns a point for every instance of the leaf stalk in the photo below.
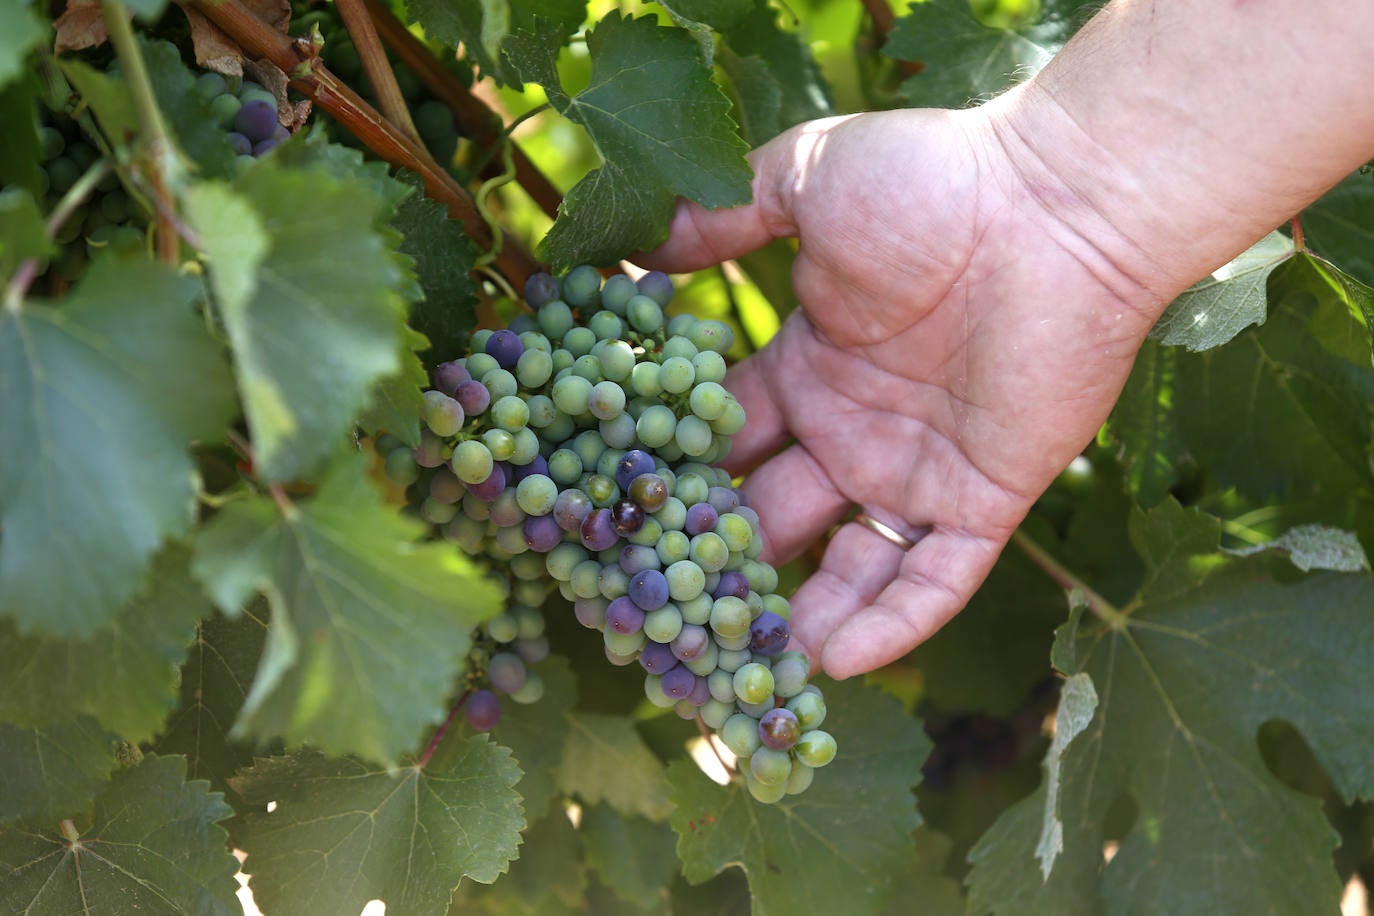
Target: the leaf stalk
pixel 1107 612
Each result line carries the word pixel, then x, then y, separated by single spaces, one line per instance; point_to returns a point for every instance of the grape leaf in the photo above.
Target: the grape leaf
pixel 94 426
pixel 307 293
pixel 1077 701
pixel 1184 684
pixel 22 232
pixel 1344 320
pixel 923 881
pixel 1233 297
pixel 658 138
pixel 1149 443
pixel 632 856
pixel 548 877
pixel 481 25
pixel 396 403
pixel 369 629
pixel 536 733
pixel 837 847
pixel 214 684
pixel 21 30
pixel 52 771
pixel 154 846
pixel 343 832
pixel 20 154
pixel 444 257
pixel 962 60
pixel 1316 547
pixel 1339 226
pixel 125 679
pixel 605 759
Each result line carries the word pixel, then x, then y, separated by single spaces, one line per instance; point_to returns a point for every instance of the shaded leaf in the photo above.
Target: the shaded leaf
pixel 605 759
pixel 1233 297
pixel 94 429
pixel 443 260
pixel 126 679
pixel 839 846
pixel 22 231
pixel 632 856
pixel 536 734
pixel 396 403
pixel 1340 226
pixel 21 30
pixel 343 833
pixel 154 846
pixel 369 629
pixel 658 139
pixel 549 876
pixel 1143 425
pixel 481 26
pixel 52 771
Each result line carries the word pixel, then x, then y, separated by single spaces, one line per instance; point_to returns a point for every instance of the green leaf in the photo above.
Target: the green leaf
pixel 1143 427
pixel 343 833
pixel 397 403
pixel 214 684
pixel 606 760
pixel 1340 226
pixel 837 847
pixel 658 138
pixel 1217 308
pixel 481 26
pixel 22 231
pixel 21 30
pixel 94 469
pixel 20 154
pixel 1178 546
pixel 962 61
pixel 125 679
pixel 306 287
pixel 1077 702
pixel 443 260
pixel 1316 547
pixel 924 880
pixel 154 846
pixel 52 771
pixel 369 629
pixel 537 732
pixel 1184 687
pixel 1343 321
pixel 632 856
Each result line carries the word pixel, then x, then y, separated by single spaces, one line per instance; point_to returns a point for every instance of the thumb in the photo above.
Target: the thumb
pixel 700 237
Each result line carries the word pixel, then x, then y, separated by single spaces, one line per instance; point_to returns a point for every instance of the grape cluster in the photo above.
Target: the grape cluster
pixel 578 447
pixel 245 110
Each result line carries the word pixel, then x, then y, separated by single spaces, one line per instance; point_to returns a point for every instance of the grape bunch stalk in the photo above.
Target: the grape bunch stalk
pixel 577 447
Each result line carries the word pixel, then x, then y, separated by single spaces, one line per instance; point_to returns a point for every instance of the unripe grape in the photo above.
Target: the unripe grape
pixel 815 748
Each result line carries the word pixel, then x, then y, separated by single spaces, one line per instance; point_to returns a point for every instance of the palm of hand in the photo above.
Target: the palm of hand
pixel 953 356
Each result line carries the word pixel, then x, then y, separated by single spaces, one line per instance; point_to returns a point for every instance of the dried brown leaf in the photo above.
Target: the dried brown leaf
pixel 81 25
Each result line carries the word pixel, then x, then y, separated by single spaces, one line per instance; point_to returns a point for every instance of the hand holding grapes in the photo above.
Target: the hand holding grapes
pixel 956 349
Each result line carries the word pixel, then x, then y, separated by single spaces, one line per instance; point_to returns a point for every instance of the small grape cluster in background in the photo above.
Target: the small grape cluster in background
pixel 247 111
pixel 577 447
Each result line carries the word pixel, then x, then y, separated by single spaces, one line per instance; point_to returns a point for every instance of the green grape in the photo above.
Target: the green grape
pixel 500 444
pixel 790 671
pixel 565 467
pixel 570 394
pixel 606 401
pixel 741 735
pixel 676 375
pixel 809 708
pixel 644 314
pixel 815 748
pixel 799 780
pixel 753 683
pixel 555 319
pixel 584 579
pixel 526 446
pixel 589 367
pixel 542 412
pixel 770 767
pixel 442 414
pixel 536 494
pixel 734 530
pixel 480 363
pixel 606 325
pixel 678 347
pixel 710 367
pixel 646 380
pixel 672 515
pixel 579 341
pixel 721 683
pixel 686 580
pixel 664 624
pixel 692 435
pixel 534 368
pixel 617 360
pixel 401 468
pixel 656 426
pixel 711 335
pixel 502 628
pixel 730 618
pixel 708 400
pixel 709 552
pixel 714 713
pixel 501 383
pixel 563 559
pixel 672 547
pixel 582 286
pixel 616 293
pixel 532 691
pixel 472 461
pixel 697 610
pixel 731 419
pixel 763 792
pixel 511 413
pixel 624 643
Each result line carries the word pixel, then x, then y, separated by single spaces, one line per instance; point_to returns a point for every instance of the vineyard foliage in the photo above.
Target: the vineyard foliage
pixel 227 626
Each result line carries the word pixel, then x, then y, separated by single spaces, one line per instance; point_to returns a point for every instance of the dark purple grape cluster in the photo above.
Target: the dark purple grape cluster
pixel 578 448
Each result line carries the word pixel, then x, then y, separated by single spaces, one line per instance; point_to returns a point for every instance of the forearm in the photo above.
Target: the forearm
pixel 1170 134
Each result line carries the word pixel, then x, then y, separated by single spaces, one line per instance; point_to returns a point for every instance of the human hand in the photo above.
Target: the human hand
pixel 958 344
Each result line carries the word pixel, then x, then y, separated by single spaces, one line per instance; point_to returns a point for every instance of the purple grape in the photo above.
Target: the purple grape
pixel 678 682
pixel 768 634
pixel 256 119
pixel 657 285
pixel 657 657
pixel 571 509
pixel 722 499
pixel 591 612
pixel 448 376
pixel 542 533
pixel 598 532
pixel 265 147
pixel 474 397
pixel 541 288
pixel 691 642
pixel 627 516
pixel 483 710
pixel 505 347
pixel 700 693
pixel 624 617
pixel 732 582
pixel 445 487
pixel 538 466
pixel 492 487
pixel 649 589
pixel 504 511
pixel 778 728
pixel 649 491
pixel 635 558
pixel 631 465
pixel 532 651
pixel 506 672
pixel 701 517
pixel 240 144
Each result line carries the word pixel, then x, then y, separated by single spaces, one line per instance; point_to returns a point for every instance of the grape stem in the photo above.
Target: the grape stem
pixel 474 117
pixel 76 195
pixel 438 738
pixel 164 165
pixel 1299 242
pixel 1101 607
pixel 358 22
